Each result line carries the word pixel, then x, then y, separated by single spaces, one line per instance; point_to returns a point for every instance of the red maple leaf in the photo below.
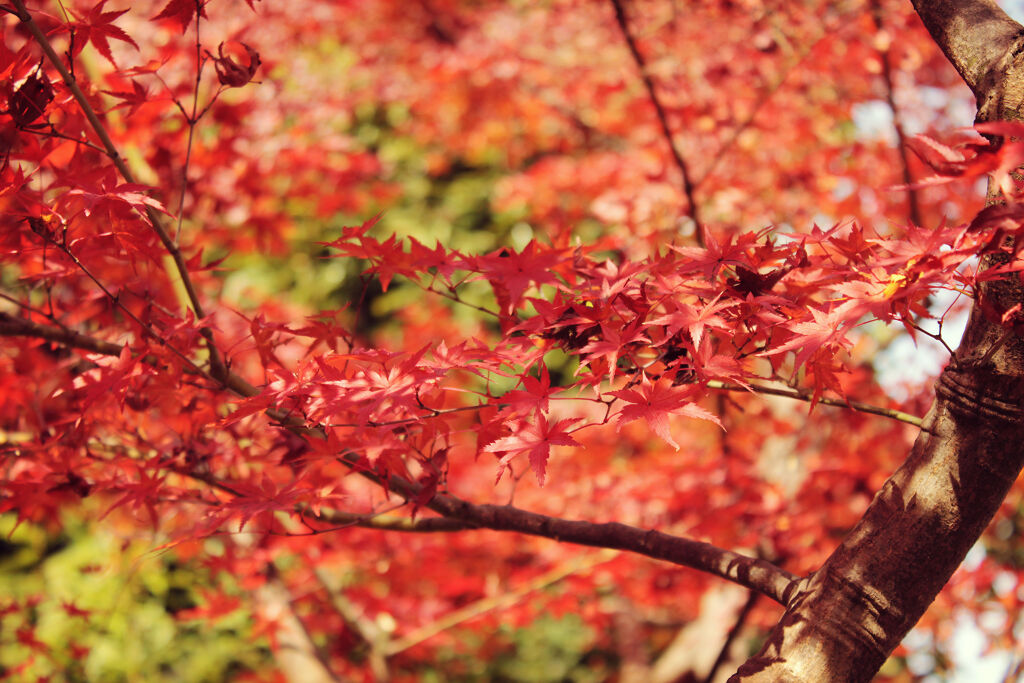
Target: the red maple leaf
pixel 827 329
pixel 610 344
pixel 693 319
pixel 181 11
pixel 534 395
pixel 536 441
pixel 96 27
pixel 655 402
pixel 713 257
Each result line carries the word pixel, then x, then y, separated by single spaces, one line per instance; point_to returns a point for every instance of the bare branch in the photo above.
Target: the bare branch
pixel 688 186
pixel 759 575
pixel 885 54
pixel 802 395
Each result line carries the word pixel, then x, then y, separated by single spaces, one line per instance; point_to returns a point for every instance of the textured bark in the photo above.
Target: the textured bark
pixel 853 611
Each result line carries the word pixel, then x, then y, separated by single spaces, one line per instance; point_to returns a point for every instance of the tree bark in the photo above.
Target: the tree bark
pixel 852 612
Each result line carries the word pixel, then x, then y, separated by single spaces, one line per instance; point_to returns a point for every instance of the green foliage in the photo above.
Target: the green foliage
pixel 131 597
pixel 549 650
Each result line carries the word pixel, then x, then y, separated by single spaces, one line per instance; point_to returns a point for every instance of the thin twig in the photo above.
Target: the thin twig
pixel 803 395
pixel 192 120
pixel 762 99
pixel 689 188
pixel 913 206
pixel 730 637
pixel 484 605
pixel 155 219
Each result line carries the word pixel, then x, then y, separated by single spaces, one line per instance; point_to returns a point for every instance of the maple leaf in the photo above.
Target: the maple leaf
pixel 96 27
pixel 610 344
pixel 138 96
pixel 1000 158
pixel 29 101
pixel 535 393
pixel 182 12
pixel 511 273
pixel 694 320
pixel 216 605
pixel 655 402
pixel 713 257
pixel 144 494
pixel 827 329
pixel 535 440
pixel 127 194
pixel 235 72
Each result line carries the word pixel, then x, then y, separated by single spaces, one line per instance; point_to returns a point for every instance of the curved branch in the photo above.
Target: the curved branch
pixel 457 514
pixel 758 575
pixel 751 572
pixel 975 35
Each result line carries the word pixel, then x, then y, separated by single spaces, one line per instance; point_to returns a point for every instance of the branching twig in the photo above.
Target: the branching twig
pixel 762 99
pixel 155 220
pixel 688 187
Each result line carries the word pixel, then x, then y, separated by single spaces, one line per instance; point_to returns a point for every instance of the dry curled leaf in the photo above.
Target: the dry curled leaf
pixel 238 67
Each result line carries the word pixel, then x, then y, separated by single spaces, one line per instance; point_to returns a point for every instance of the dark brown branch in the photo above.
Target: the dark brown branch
pixel 688 187
pixel 458 514
pixel 13 326
pixel 759 575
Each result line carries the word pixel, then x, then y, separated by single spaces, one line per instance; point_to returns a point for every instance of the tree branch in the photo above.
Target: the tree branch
pixel 975 35
pixel 885 54
pixel 155 219
pixel 458 514
pixel 14 326
pixel 688 186
pixel 393 522
pixel 801 395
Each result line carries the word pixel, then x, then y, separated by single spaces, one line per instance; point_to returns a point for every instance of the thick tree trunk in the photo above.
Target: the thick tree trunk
pixel 851 613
